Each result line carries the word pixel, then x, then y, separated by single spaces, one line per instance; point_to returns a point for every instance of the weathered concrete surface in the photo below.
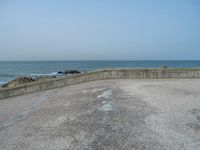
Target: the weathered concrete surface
pixel 101 75
pixel 108 114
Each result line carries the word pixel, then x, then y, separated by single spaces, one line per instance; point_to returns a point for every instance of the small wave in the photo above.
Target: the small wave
pixel 2 82
pixel 45 74
pixel 54 73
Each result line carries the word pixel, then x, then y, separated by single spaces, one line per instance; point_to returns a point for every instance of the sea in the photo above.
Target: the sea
pixel 9 70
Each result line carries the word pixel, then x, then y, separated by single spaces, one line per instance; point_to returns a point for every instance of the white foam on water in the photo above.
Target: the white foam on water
pixel 2 82
pixel 105 94
pixel 47 74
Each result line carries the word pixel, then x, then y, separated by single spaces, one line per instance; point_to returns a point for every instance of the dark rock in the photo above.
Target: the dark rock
pixel 60 72
pixel 19 81
pixel 72 72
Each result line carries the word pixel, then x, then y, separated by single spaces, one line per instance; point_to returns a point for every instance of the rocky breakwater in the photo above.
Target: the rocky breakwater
pixel 19 81
pixel 24 80
pixel 69 72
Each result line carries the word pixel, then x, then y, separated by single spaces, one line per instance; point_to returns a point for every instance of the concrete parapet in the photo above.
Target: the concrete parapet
pixel 100 74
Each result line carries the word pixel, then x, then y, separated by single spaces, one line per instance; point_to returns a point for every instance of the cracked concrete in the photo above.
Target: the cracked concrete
pixel 108 114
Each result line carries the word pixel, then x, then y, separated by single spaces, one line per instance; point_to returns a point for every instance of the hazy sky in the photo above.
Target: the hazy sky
pixel 99 29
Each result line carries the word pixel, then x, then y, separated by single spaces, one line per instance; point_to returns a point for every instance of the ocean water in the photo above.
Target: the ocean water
pixel 11 70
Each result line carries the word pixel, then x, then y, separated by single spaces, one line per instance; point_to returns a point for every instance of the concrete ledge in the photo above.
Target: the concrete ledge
pixel 100 75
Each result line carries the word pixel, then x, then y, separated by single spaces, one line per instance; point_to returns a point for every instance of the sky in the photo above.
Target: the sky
pixel 99 30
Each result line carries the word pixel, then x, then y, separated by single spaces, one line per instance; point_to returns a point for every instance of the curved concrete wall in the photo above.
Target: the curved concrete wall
pixel 99 75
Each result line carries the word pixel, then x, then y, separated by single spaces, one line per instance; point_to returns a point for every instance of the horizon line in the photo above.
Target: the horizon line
pixel 102 60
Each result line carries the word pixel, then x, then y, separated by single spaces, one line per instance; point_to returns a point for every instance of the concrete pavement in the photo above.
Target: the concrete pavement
pixel 109 114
